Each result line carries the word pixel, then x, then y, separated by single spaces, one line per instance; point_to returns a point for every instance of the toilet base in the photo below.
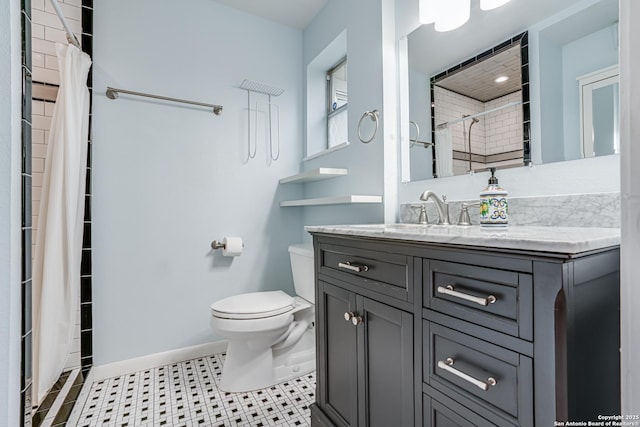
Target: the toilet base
pixel 246 369
pixel 300 360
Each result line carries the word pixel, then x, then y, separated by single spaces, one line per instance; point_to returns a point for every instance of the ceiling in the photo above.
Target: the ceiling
pixel 292 13
pixel 477 81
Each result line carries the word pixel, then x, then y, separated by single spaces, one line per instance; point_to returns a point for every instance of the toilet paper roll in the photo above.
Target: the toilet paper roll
pixel 232 246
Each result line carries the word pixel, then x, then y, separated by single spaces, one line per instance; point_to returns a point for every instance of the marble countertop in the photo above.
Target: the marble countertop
pixel 564 240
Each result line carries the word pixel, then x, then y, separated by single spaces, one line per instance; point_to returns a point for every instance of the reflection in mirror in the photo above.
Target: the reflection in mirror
pixel 477 111
pixel 600 130
pixel 583 43
pixel 567 40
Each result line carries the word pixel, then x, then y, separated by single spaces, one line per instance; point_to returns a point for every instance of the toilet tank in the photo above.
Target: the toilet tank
pixel 302 267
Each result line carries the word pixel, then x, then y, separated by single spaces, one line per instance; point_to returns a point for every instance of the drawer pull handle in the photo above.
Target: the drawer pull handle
pixel 448 290
pixel 353 267
pixel 448 366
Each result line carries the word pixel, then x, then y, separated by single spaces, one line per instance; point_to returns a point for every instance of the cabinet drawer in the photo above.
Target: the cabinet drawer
pixel 449 414
pixel 477 370
pixel 498 299
pixel 384 272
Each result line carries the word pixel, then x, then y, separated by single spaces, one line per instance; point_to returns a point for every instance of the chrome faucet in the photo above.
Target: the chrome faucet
pixel 442 207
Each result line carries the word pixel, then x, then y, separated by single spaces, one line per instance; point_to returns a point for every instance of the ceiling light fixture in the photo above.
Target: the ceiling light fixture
pixel 492 4
pixel 501 79
pixel 428 11
pixel 451 14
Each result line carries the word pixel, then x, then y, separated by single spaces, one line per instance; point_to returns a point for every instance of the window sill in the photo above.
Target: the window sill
pixel 327 151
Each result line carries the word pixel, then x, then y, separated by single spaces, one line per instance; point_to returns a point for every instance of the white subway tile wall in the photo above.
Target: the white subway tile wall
pixel 504 127
pixel 46 30
pixel 496 132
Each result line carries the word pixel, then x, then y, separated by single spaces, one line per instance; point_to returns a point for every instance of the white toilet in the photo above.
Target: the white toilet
pixel 271 334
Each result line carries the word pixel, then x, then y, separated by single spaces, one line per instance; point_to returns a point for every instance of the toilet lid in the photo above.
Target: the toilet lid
pixel 253 305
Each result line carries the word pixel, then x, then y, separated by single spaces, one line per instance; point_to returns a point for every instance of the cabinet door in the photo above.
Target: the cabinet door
pixel 385 367
pixel 336 347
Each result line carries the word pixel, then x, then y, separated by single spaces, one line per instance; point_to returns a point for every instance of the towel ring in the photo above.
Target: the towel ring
pixel 374 116
pixel 413 142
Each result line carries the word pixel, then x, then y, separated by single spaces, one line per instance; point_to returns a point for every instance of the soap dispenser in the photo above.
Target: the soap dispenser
pixel 494 208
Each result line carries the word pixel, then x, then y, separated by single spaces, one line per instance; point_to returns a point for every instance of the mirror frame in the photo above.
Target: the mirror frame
pixel 523 40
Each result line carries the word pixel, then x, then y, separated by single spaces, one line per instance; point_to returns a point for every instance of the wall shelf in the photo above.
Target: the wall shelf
pixel 314 175
pixel 340 200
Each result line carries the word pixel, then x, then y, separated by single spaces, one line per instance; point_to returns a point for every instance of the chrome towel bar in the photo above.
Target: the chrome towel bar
pixel 112 93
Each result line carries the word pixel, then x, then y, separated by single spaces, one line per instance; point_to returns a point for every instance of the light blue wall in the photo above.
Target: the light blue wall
pixel 578 59
pixel 420 112
pixel 551 107
pixel 363 21
pixel 10 205
pixel 168 179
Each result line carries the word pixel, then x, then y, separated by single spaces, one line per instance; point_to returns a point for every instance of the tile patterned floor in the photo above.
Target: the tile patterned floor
pixel 185 394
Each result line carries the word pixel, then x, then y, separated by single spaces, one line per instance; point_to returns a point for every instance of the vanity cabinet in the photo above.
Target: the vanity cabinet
pixel 431 334
pixel 365 371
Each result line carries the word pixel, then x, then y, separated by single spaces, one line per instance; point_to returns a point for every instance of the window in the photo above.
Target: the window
pixel 337 126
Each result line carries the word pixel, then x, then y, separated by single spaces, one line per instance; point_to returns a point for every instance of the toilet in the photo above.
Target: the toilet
pixel 271 334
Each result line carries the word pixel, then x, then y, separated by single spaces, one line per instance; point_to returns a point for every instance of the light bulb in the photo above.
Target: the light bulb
pixel 492 4
pixel 452 14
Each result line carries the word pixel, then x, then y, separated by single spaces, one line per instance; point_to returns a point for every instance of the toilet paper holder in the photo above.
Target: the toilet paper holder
pixel 217 245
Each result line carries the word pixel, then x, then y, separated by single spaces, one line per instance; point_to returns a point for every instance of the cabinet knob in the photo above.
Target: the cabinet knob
pixel 348 316
pixel 356 320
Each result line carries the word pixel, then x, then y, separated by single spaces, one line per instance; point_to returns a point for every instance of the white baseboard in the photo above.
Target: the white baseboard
pixel 150 361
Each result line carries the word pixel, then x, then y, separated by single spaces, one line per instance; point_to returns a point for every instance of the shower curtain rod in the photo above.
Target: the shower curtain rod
pixel 112 93
pixel 71 38
pixel 473 116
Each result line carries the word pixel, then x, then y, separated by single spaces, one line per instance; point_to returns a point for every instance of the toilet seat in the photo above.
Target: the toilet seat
pixel 253 305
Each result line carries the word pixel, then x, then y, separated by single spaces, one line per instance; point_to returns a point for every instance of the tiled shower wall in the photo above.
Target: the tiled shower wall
pixel 503 128
pixel 46 30
pixel 497 132
pixel 26 276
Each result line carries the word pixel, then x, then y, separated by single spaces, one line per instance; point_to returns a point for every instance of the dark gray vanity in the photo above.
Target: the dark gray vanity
pixel 458 327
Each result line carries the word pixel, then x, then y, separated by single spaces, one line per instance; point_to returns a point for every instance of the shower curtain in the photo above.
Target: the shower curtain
pixel 58 252
pixel 444 153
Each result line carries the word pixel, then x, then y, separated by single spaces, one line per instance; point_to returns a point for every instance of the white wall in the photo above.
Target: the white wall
pixel 10 205
pixel 630 191
pixel 168 179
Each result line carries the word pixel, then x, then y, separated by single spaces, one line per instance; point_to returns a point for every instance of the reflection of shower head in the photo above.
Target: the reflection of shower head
pixel 473 121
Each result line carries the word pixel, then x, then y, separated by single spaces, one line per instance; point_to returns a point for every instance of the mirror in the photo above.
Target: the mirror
pixel 479 109
pixel 556 43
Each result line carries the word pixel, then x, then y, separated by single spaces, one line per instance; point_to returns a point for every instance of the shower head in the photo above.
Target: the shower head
pixel 475 120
